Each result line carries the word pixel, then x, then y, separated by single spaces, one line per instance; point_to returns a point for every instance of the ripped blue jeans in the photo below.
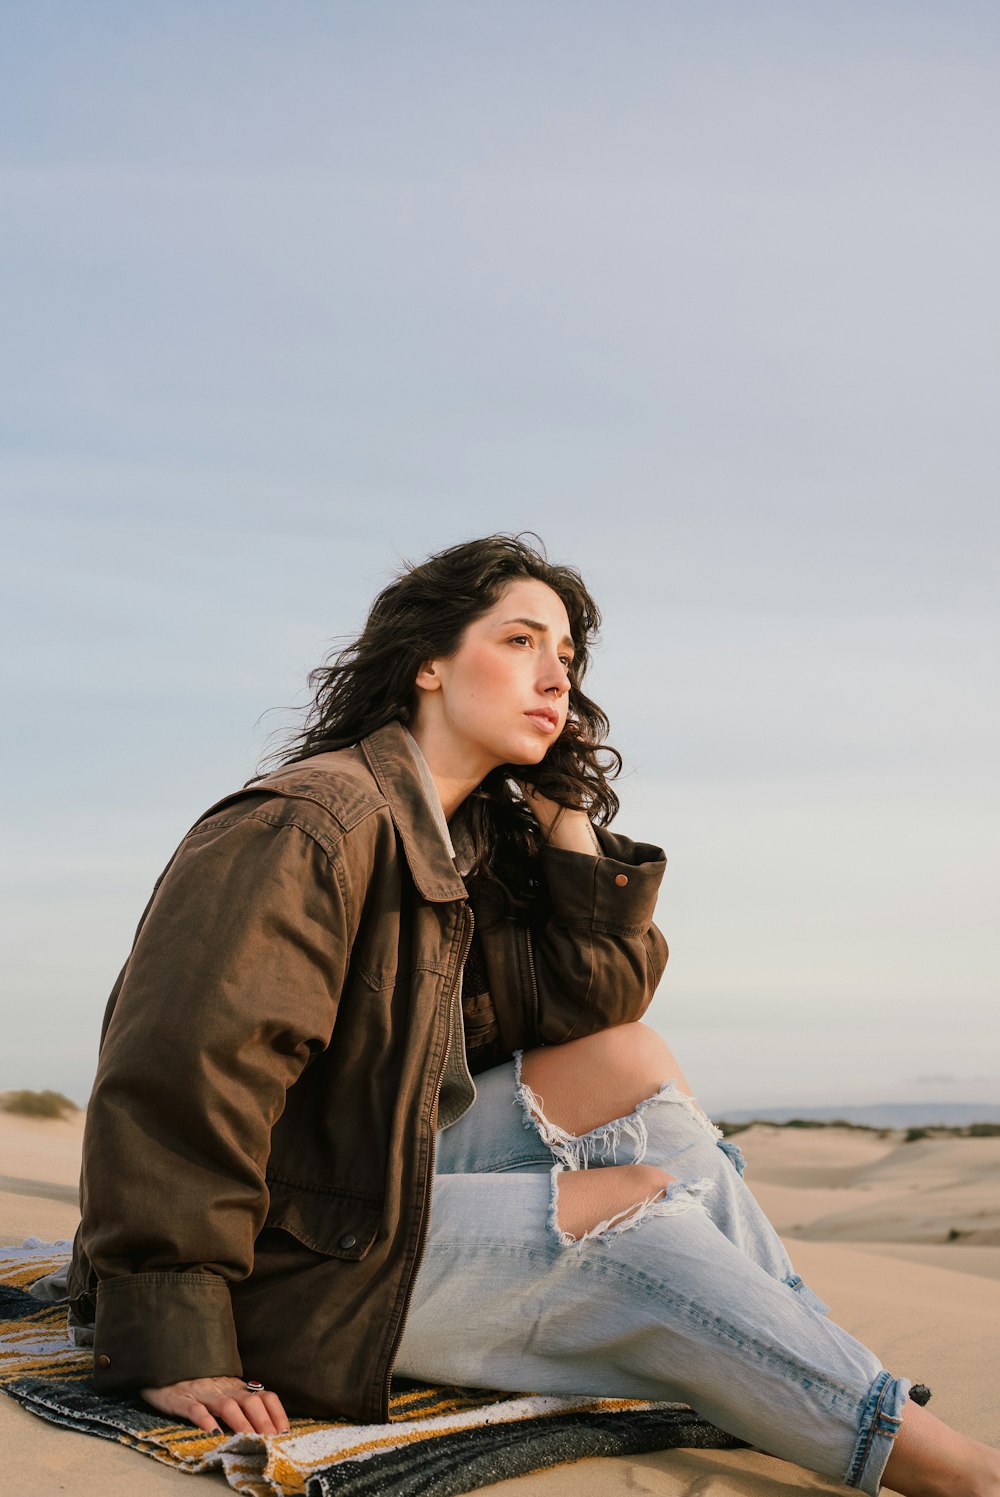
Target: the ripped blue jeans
pixel 689 1298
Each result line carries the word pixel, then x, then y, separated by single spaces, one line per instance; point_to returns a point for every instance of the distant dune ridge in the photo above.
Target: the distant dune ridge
pixel 901 1238
pixel 878 1114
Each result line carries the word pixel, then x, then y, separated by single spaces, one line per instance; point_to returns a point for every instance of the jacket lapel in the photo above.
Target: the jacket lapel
pixel 395 770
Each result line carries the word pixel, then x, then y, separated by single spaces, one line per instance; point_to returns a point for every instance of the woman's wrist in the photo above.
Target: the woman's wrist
pixel 569 830
pixel 573 832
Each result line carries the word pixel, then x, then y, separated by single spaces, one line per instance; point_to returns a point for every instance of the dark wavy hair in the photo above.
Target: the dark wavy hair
pixel 422 615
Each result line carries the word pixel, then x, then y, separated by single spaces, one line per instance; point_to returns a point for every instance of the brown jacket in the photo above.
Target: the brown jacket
pixel 259 1150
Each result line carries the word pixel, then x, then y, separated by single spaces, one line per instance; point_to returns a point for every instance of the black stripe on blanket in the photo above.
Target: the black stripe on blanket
pixel 479 1457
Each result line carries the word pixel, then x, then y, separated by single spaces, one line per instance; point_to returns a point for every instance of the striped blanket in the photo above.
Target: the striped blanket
pixel 440 1442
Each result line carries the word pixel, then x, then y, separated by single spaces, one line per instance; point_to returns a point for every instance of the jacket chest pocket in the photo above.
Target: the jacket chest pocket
pixel 377 961
pixel 334 1223
pixel 480 1020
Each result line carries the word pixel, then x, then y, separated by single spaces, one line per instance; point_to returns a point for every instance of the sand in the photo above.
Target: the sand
pixel 870 1223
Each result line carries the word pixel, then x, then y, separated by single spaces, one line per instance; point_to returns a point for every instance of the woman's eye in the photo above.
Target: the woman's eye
pixel 521 639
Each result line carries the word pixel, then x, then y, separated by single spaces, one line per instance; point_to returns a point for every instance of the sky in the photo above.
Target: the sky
pixel 704 295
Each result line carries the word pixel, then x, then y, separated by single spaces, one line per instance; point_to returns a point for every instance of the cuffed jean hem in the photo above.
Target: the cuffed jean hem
pixel 881 1419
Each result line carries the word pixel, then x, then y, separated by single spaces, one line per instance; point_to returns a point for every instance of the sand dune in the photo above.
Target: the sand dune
pixel 868 1218
pixel 936 1191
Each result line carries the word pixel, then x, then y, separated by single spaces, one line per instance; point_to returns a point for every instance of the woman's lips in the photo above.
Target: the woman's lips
pixel 546 721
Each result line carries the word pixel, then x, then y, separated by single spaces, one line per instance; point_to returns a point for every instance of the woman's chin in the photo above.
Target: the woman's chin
pixel 533 755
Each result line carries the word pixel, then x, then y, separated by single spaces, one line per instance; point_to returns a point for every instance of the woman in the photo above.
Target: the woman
pixel 292 1182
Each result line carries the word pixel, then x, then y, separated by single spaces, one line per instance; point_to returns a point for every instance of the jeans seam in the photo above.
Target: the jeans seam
pixel 509 1166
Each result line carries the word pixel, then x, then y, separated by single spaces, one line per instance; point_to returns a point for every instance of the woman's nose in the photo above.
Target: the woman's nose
pixel 555 678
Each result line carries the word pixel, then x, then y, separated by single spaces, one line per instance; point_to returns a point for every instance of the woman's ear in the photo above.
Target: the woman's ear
pixel 427 678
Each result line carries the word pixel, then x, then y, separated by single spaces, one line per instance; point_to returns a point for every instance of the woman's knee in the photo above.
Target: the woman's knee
pixel 593 1080
pixel 635 1050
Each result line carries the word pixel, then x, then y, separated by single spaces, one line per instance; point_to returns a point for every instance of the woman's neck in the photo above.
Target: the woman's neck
pixel 454 776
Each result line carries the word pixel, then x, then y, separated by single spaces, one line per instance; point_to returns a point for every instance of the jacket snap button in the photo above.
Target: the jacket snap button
pixel 621 879
pixel 104 1360
pixel 348 1240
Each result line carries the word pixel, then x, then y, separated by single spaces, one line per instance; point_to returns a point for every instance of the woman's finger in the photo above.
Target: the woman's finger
pixel 199 1415
pixel 278 1416
pixel 257 1410
pixel 261 1413
pixel 178 1405
pixel 232 1412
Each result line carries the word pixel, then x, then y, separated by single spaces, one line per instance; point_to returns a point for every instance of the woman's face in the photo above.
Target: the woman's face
pixel 502 697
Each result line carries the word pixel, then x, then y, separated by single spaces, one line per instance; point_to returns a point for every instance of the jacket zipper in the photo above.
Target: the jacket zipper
pixel 470 923
pixel 532 984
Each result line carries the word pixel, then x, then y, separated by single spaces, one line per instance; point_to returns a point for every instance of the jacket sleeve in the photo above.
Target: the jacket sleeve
pixel 599 956
pixel 233 982
pixel 594 962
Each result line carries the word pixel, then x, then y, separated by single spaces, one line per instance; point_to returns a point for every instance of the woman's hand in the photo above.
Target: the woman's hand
pixel 570 830
pixel 207 1400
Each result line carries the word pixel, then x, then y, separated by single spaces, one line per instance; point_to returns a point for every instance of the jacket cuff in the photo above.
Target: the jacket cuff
pixel 615 893
pixel 152 1329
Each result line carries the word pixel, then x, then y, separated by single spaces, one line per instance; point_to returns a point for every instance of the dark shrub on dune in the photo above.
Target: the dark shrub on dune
pixel 37 1104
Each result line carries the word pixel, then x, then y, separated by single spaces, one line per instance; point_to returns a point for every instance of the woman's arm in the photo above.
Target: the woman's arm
pixel 594 962
pixel 233 981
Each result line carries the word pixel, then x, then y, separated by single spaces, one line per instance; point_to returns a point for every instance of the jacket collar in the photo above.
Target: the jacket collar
pixel 392 763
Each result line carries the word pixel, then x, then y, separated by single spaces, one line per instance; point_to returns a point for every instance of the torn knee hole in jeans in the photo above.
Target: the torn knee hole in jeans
pixel 670 1201
pixel 576 1151
pixel 573 1152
